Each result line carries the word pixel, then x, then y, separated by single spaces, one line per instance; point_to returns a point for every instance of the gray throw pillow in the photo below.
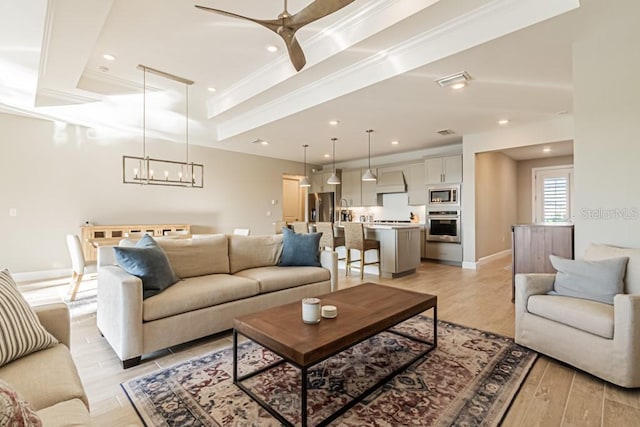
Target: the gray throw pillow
pixel 300 249
pixel 593 280
pixel 147 261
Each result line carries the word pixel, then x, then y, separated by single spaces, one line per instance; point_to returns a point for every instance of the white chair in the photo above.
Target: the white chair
pixel 279 226
pixel 241 231
pixel 300 227
pixel 596 337
pixel 78 264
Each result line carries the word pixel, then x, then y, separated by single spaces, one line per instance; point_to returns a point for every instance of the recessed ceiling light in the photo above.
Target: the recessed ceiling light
pixel 260 141
pixel 546 150
pixel 211 89
pixel 271 48
pixel 394 142
pixel 103 68
pixel 109 57
pixel 264 142
pixel 455 81
pixel 503 122
pixel 327 155
pixel 333 122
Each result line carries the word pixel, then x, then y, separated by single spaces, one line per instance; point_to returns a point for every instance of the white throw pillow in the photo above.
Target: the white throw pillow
pixel 594 280
pixel 21 332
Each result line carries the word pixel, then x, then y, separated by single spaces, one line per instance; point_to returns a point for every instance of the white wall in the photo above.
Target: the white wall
pixel 496 202
pixel 606 63
pixel 57 177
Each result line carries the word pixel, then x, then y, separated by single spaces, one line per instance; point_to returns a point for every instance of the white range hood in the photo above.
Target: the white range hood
pixel 391 182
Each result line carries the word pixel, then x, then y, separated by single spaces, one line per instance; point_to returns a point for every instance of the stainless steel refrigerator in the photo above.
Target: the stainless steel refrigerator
pixel 321 207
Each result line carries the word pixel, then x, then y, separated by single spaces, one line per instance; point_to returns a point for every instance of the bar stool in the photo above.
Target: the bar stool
pixel 354 239
pixel 329 238
pixel 300 227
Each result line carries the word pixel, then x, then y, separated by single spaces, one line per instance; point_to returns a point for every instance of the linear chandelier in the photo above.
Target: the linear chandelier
pixel 148 171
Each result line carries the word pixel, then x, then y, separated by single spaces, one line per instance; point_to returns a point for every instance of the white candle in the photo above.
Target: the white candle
pixel 311 310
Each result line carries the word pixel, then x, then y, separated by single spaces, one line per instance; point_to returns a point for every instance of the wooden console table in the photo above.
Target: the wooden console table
pixel 100 235
pixel 533 243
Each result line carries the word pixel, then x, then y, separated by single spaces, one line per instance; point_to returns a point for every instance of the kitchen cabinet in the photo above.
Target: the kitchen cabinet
pixel 440 170
pixel 352 187
pixel 533 243
pixel 423 243
pixel 416 188
pixel 442 251
pixel 319 182
pixel 399 249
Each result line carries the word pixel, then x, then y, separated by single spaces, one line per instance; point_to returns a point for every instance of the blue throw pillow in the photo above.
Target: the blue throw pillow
pixel 300 249
pixel 147 261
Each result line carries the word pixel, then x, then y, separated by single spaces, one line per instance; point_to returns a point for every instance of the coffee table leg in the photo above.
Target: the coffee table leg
pixel 303 413
pixel 235 356
pixel 435 325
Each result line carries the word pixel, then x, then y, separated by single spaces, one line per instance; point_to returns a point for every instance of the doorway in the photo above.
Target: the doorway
pixel 294 199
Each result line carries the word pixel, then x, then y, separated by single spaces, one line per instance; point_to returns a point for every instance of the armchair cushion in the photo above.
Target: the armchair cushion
pixel 594 280
pixel 21 333
pixel 300 249
pixel 148 262
pixel 589 316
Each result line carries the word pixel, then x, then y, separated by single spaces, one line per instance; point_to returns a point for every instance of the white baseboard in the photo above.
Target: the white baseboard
pixel 493 257
pixel 470 265
pixel 31 276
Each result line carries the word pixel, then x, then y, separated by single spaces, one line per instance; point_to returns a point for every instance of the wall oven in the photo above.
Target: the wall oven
pixel 443 195
pixel 443 226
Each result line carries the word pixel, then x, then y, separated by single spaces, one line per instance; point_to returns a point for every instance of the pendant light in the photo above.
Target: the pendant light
pixel 333 179
pixel 369 175
pixel 304 182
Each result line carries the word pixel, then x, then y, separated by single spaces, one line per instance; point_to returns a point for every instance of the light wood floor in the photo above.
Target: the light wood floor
pixel 552 395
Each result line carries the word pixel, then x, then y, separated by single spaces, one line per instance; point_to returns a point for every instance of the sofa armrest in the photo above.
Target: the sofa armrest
pixel 626 336
pixel 56 319
pixel 532 284
pixel 106 256
pixel 329 260
pixel 119 313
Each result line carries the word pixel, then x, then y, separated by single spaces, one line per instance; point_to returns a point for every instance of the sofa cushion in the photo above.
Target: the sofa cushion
pixel 198 292
pixel 197 257
pixel 45 377
pixel 300 249
pixel 147 261
pixel 589 316
pixel 594 280
pixel 65 414
pixel 14 410
pixel 21 332
pixel 276 278
pixel 253 251
pixel 596 252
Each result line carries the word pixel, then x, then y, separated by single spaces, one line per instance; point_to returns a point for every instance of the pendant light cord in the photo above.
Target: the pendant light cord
pixel 334 154
pixel 369 132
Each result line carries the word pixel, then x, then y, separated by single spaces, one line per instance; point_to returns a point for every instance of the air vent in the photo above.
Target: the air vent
pixel 456 81
pixel 260 141
pixel 445 132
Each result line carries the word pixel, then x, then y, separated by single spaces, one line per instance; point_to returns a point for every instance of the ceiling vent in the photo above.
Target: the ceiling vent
pixel 456 81
pixel 445 132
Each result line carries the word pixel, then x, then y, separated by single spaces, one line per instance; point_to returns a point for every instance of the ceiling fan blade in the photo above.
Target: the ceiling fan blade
pixel 316 10
pixel 272 24
pixel 296 55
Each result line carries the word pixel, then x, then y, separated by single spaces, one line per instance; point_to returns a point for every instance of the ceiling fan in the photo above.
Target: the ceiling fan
pixel 286 24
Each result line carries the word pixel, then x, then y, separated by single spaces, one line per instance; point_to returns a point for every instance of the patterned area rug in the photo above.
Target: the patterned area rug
pixel 469 380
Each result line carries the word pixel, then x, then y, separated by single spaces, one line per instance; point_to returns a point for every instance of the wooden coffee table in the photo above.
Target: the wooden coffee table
pixel 363 311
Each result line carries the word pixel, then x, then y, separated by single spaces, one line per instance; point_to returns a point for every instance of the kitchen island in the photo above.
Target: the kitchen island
pixel 399 247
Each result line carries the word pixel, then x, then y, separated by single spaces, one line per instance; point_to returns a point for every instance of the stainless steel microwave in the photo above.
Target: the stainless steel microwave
pixel 444 195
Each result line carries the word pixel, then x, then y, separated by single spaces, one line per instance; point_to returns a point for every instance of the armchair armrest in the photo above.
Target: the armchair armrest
pixel 626 336
pixel 56 319
pixel 329 260
pixel 532 284
pixel 119 313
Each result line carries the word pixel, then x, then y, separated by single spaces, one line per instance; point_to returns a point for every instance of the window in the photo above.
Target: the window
pixel 552 194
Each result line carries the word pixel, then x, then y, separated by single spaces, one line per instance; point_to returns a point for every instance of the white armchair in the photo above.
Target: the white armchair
pixel 598 338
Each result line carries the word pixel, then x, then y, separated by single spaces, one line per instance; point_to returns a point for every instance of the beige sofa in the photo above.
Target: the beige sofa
pixel 223 276
pixel 599 338
pixel 48 379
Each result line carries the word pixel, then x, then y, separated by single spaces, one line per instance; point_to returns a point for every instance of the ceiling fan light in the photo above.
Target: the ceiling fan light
pixel 369 176
pixel 333 179
pixel 304 182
